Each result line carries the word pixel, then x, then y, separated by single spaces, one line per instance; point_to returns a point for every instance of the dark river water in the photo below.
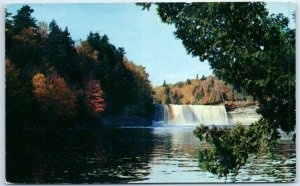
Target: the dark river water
pixel 127 155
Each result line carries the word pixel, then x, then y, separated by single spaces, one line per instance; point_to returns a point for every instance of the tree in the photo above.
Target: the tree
pixel 43 29
pixel 61 49
pixel 23 51
pixel 188 82
pixel 243 45
pixel 246 47
pixel 167 90
pixel 175 98
pixel 28 48
pixel 209 91
pixel 164 84
pixel 142 90
pixel 23 20
pixel 57 101
pixel 116 80
pixel 8 29
pixel 94 97
pixel 39 82
pixel 231 148
pixel 18 100
pixel 24 45
pixel 87 61
pixel 87 53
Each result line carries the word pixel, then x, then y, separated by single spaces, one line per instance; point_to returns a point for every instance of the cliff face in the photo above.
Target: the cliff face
pixel 243 115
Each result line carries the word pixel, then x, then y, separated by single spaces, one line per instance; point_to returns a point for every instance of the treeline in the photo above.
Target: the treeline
pixel 207 90
pixel 52 82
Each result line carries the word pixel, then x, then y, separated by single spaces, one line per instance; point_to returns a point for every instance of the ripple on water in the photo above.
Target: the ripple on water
pixel 135 155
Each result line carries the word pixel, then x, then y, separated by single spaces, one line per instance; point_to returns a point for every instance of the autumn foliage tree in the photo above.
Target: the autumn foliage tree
pixel 56 100
pixel 94 97
pixel 141 90
pixel 210 90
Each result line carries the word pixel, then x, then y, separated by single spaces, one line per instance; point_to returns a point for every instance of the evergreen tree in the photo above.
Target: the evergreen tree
pixel 188 82
pixel 164 84
pixel 23 20
pixel 61 50
pixel 167 90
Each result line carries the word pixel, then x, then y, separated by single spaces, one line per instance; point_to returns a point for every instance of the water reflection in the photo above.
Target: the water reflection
pixel 100 156
pixel 174 157
pixel 122 155
pixel 281 168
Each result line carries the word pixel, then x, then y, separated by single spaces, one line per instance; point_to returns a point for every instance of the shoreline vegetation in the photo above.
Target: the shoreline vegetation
pixel 54 84
pixel 63 85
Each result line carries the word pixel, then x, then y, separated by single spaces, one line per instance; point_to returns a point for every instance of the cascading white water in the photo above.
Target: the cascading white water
pixel 190 115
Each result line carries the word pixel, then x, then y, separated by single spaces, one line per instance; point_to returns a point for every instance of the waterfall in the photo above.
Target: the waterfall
pixel 190 115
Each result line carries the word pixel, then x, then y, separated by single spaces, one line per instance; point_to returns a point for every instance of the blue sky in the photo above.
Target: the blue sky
pixel 146 40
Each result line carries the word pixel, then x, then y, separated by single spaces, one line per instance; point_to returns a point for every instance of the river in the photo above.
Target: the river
pixel 127 155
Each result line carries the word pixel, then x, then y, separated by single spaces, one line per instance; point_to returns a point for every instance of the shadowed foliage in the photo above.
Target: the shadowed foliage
pixel 248 48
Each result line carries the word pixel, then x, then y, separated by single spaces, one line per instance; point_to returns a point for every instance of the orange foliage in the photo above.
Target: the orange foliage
pixel 54 94
pixel 210 90
pixel 94 97
pixel 160 95
pixel 40 88
pixel 187 91
pixel 140 76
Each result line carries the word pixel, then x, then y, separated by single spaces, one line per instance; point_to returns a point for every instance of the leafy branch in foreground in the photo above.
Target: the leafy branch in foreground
pixel 245 46
pixel 230 148
pixel 253 50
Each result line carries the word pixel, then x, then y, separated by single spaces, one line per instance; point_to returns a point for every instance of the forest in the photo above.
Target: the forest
pixel 205 91
pixel 51 81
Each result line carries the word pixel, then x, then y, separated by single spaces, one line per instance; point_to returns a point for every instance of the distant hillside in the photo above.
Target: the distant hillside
pixel 207 90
